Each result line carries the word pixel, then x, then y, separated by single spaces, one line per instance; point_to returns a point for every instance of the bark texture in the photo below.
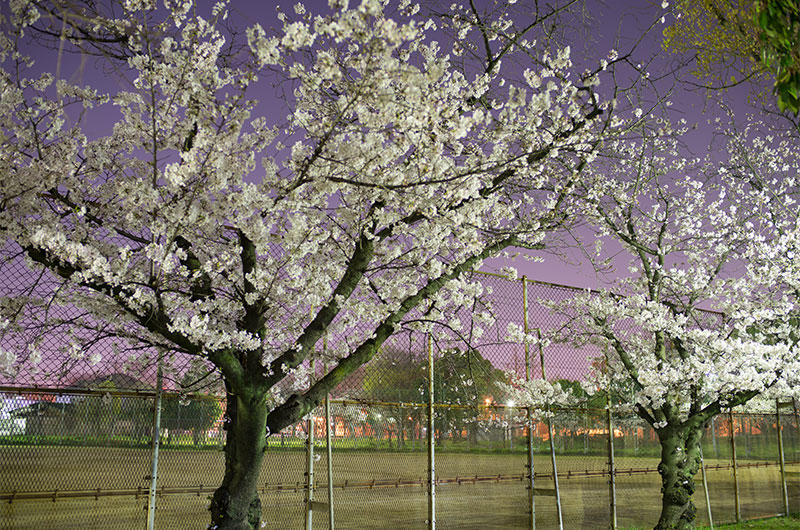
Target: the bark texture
pixel 235 504
pixel 680 461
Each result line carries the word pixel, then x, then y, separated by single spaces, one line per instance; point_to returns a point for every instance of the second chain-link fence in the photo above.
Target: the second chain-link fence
pixel 84 460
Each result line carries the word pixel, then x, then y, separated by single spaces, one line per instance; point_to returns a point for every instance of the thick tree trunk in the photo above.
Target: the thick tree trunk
pixel 680 461
pixel 235 504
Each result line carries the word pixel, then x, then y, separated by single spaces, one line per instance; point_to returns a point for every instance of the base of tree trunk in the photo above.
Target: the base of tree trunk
pixel 236 505
pixel 223 519
pixel 680 461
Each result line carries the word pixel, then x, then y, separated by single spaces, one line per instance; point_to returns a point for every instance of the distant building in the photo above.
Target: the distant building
pixel 46 418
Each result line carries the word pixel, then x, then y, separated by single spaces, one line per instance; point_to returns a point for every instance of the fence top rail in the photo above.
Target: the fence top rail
pixel 536 282
pixel 36 390
pixel 62 391
pixel 575 288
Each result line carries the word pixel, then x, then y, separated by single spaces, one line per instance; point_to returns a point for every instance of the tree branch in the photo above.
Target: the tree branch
pixel 296 406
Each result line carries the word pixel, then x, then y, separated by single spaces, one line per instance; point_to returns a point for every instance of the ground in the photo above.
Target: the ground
pixel 372 490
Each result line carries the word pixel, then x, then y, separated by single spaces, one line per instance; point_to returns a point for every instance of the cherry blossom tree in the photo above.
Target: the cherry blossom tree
pixel 204 224
pixel 765 162
pixel 698 325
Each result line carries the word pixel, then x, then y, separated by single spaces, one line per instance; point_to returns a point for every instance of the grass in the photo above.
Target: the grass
pixel 792 521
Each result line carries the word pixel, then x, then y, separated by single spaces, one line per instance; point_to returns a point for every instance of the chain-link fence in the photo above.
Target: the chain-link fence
pixel 85 460
pixel 76 439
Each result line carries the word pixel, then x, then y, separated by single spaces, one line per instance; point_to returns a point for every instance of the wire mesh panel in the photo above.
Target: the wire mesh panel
pixel 759 472
pixel 580 441
pixel 790 419
pixel 481 469
pixel 379 466
pixel 719 469
pixel 190 461
pixel 560 360
pixel 638 484
pixel 74 461
pixel 82 457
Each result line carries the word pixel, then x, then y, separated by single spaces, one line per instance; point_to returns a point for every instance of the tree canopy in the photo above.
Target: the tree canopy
pixel 736 41
pixel 706 318
pixel 778 24
pixel 203 224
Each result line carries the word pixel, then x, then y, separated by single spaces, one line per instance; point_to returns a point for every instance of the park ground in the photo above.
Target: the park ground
pixel 364 496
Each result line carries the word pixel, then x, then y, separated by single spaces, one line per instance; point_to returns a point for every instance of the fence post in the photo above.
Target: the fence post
pixel 328 445
pixel 782 458
pixel 310 463
pixel 735 469
pixel 612 471
pixel 797 424
pixel 552 441
pixel 151 500
pixel 705 487
pixel 431 454
pixel 531 491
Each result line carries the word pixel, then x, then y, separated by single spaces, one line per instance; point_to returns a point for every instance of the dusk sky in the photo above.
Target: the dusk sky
pixel 620 26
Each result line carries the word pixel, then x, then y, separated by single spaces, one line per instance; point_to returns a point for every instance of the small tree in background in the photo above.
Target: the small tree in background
pixel 198 412
pixel 464 377
pixel 100 415
pixel 688 239
pixel 397 376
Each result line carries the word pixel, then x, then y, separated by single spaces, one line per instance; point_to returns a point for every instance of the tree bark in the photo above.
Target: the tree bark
pixel 680 461
pixel 235 504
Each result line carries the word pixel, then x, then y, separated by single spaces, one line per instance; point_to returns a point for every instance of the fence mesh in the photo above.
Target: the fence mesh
pixel 76 439
pixel 84 461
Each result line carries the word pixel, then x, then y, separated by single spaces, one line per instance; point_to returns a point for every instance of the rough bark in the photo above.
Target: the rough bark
pixel 680 461
pixel 235 504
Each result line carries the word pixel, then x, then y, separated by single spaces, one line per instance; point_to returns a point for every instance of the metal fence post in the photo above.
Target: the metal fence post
pixel 531 490
pixel 151 500
pixel 328 445
pixel 714 437
pixel 552 441
pixel 782 458
pixel 612 472
pixel 431 447
pixel 310 464
pixel 705 487
pixel 330 460
pixel 735 468
pixel 797 425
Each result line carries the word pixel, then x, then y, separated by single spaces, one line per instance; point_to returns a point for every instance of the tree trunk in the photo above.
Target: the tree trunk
pixel 235 504
pixel 680 461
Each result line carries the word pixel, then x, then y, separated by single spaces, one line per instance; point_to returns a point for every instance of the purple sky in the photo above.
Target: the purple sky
pixel 617 26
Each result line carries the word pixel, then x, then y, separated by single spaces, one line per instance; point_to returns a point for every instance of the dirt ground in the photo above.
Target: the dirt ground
pixel 372 490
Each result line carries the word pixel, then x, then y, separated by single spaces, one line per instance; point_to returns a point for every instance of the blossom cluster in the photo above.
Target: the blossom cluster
pixel 707 317
pixel 198 223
